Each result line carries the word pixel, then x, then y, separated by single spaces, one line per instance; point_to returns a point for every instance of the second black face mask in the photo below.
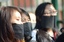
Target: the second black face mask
pixel 27 30
pixel 18 30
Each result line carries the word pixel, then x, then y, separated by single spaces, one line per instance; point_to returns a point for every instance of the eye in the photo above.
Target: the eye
pixel 47 14
pixel 54 13
pixel 17 19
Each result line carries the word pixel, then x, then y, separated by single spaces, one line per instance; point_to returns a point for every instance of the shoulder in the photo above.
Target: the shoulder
pixel 60 38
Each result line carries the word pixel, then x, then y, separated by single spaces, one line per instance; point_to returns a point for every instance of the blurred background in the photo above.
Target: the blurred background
pixel 30 6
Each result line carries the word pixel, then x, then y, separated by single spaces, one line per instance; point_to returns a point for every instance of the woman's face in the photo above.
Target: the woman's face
pixel 16 17
pixel 50 11
pixel 25 18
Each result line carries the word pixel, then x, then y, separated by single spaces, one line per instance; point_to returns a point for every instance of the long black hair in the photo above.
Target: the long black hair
pixel 39 13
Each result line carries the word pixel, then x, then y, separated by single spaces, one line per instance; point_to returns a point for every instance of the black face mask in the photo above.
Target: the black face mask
pixel 27 30
pixel 47 22
pixel 18 30
pixel 27 27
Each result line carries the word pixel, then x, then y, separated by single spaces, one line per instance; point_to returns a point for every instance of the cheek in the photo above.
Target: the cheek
pixel 17 15
pixel 12 18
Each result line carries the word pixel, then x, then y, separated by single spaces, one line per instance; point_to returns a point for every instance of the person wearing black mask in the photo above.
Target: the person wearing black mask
pixel 17 25
pixel 27 25
pixel 45 15
pixel 11 26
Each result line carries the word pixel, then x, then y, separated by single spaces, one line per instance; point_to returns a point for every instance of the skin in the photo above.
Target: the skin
pixel 50 32
pixel 50 9
pixel 16 18
pixel 25 18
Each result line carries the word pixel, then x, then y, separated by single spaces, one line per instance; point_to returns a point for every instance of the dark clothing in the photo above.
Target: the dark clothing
pixel 60 38
pixel 42 36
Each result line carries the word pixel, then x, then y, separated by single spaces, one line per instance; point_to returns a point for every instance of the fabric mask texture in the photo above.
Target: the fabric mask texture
pixel 47 22
pixel 27 27
pixel 27 31
pixel 18 30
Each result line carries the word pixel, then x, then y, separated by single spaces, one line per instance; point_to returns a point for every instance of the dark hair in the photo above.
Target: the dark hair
pixel 61 30
pixel 25 13
pixel 39 13
pixel 6 30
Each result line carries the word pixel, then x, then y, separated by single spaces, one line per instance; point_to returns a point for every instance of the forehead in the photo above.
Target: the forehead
pixel 25 16
pixel 50 7
pixel 16 13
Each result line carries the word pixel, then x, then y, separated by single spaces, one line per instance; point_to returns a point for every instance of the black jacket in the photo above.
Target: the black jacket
pixel 60 38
